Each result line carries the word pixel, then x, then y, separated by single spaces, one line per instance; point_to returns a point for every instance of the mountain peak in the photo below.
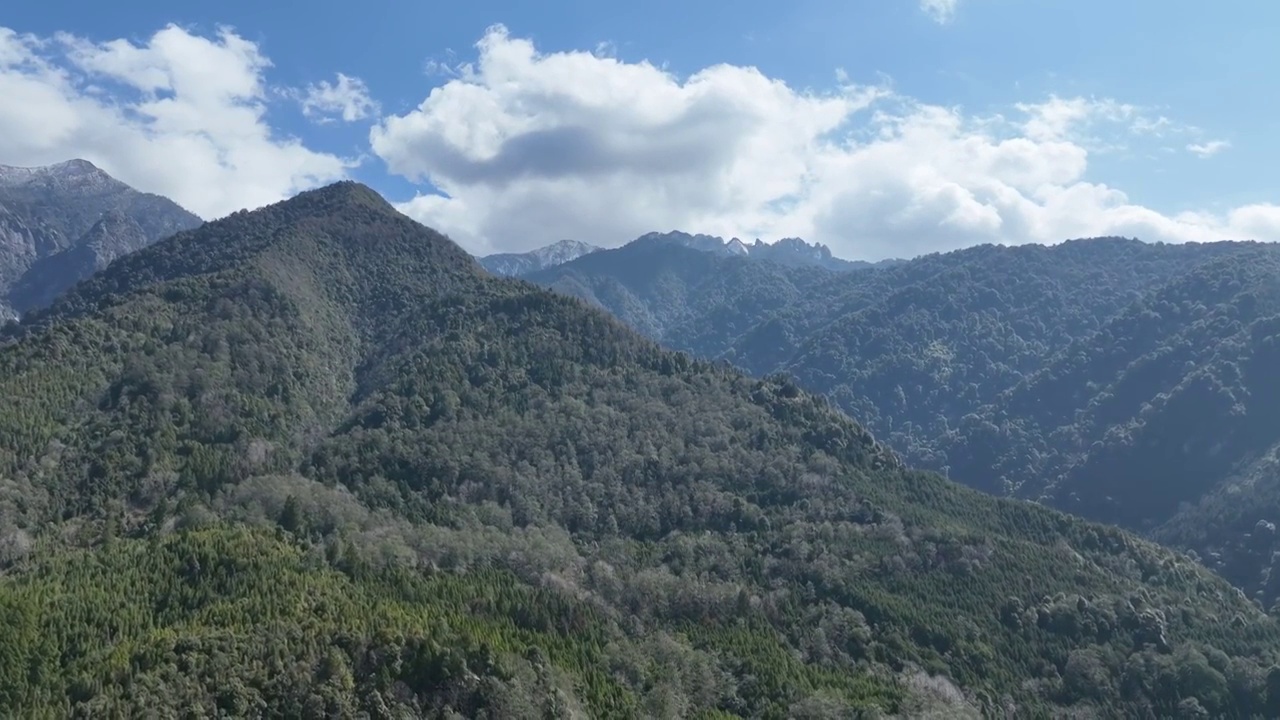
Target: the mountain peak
pixel 78 174
pixel 557 253
pixel 699 241
pixel 565 244
pixel 791 251
pixel 75 165
pixel 343 192
pixel 71 219
pixel 341 245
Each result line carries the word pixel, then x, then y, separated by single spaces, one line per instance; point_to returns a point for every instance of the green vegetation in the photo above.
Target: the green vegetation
pixel 238 623
pixel 311 459
pixel 1129 383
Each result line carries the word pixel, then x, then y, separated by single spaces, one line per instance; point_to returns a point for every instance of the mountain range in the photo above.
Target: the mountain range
pixel 1130 383
pixel 61 223
pixel 314 460
pixel 792 252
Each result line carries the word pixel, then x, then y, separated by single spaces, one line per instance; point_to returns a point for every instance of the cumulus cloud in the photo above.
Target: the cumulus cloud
pixel 348 99
pixel 182 115
pixel 579 145
pixel 1208 149
pixel 940 10
pixel 527 147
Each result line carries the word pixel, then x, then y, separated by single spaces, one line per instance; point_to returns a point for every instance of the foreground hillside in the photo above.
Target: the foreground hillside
pixel 61 223
pixel 1127 382
pixel 312 459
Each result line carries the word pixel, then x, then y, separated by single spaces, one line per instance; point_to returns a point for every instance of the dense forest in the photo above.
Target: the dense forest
pixel 312 460
pixel 1130 383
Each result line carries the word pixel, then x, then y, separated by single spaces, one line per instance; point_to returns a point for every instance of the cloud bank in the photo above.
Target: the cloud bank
pixel 529 147
pixel 520 148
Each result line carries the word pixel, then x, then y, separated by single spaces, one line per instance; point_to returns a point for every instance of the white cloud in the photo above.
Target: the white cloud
pixel 1062 118
pixel 348 99
pixel 529 148
pixel 1208 149
pixel 940 10
pixel 589 146
pixel 182 115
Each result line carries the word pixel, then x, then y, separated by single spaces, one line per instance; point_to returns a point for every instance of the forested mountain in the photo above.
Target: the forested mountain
pixel 1123 381
pixel 61 223
pixel 313 460
pixel 683 296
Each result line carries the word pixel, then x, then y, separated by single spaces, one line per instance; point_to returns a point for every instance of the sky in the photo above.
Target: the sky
pixel 882 128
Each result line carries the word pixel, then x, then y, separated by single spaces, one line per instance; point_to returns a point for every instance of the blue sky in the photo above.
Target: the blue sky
pixel 881 127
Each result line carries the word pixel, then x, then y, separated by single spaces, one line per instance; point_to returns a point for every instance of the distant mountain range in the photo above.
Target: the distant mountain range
pixel 61 223
pixel 791 252
pixel 512 264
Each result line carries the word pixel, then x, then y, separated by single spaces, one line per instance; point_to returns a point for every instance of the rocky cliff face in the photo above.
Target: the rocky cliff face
pixel 61 223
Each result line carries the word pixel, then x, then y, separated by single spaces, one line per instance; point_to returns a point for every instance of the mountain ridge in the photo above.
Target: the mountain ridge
pixel 792 251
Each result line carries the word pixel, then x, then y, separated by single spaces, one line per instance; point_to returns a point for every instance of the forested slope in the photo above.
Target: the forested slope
pixel 1119 380
pixel 312 458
